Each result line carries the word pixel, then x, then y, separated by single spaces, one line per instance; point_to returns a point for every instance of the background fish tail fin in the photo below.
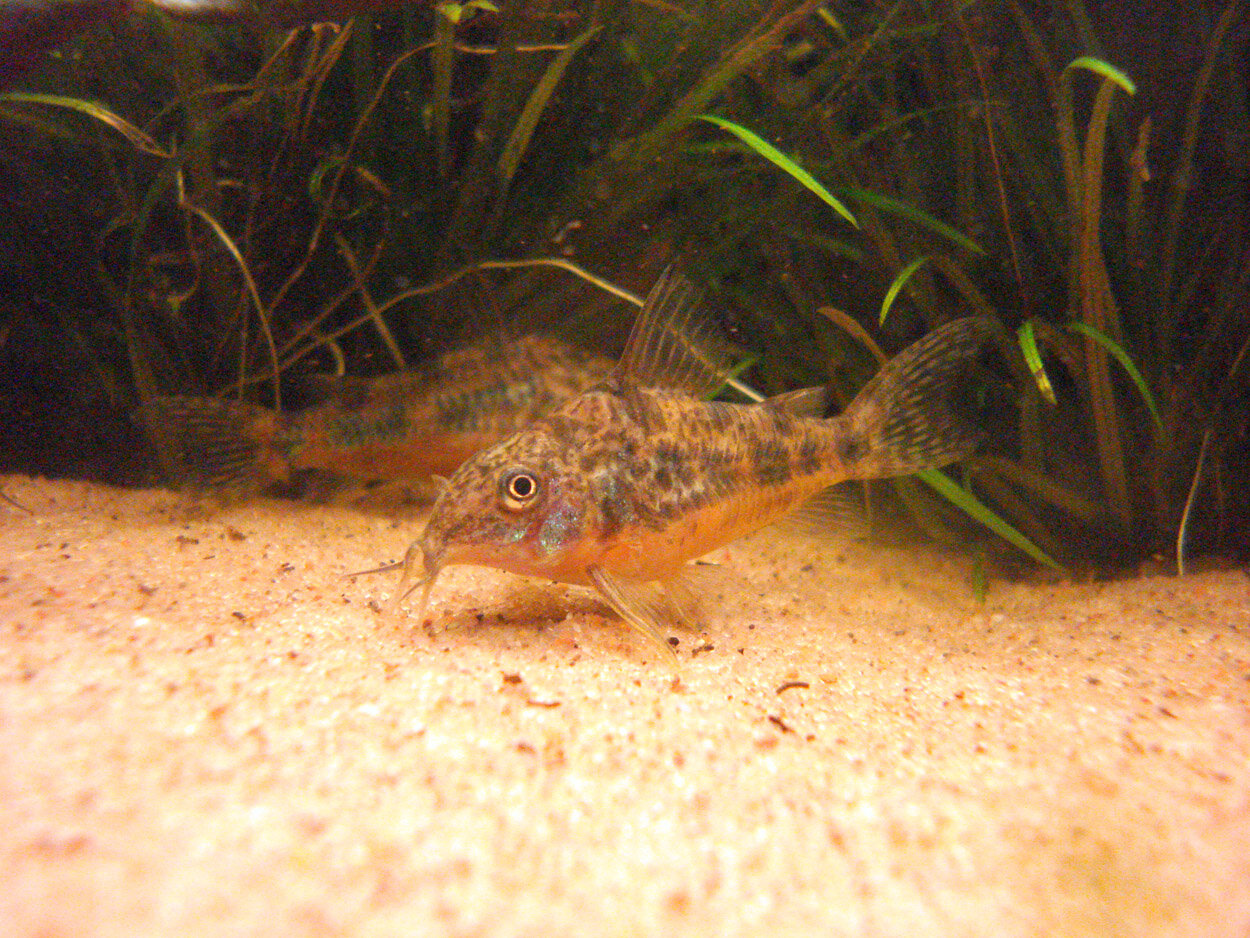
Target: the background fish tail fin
pixel 204 443
pixel 921 410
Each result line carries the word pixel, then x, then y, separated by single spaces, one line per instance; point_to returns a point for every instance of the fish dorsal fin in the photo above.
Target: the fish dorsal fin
pixel 673 344
pixel 805 402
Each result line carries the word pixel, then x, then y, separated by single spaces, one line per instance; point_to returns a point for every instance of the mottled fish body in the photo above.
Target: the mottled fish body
pixel 631 479
pixel 415 423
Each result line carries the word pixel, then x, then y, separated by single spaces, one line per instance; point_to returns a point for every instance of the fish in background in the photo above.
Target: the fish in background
pixel 622 485
pixel 411 424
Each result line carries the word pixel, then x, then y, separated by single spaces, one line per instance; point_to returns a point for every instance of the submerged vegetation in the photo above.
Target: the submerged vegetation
pixel 220 208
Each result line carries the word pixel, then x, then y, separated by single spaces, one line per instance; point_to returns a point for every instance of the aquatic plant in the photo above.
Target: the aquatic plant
pixel 253 202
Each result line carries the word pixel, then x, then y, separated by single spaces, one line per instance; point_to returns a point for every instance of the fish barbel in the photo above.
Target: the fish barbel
pixel 626 482
pixel 413 423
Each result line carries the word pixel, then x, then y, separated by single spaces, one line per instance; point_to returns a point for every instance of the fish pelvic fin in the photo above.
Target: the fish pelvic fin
pixel 831 515
pixel 207 444
pixel 631 602
pixel 673 343
pixel 918 411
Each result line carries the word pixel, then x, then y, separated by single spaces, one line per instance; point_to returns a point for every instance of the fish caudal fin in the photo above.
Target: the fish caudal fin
pixel 204 443
pixel 917 412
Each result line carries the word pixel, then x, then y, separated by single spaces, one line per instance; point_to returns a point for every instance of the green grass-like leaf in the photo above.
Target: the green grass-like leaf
pixel 1105 69
pixel 893 206
pixel 976 509
pixel 462 11
pixel 834 246
pixel 261 314
pixel 1033 358
pixel 1126 363
pixel 732 380
pixel 783 162
pixel 138 139
pixel 899 282
pixel 851 327
pixel 519 140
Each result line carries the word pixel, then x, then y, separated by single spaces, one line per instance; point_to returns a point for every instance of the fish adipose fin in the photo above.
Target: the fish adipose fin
pixel 918 412
pixel 632 604
pixel 204 443
pixel 805 402
pixel 673 343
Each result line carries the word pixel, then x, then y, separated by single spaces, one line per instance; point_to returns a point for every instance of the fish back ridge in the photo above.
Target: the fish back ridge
pixel 673 343
pixel 528 379
pixel 205 443
pixel 912 415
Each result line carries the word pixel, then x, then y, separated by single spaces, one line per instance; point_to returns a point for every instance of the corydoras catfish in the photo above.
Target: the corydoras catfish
pixel 414 423
pixel 628 481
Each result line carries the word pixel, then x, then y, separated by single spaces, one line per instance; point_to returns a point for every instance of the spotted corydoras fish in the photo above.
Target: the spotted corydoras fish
pixel 631 479
pixel 424 421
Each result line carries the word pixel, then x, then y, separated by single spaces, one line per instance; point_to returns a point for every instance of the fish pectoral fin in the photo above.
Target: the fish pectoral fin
pixel 630 601
pixel 673 344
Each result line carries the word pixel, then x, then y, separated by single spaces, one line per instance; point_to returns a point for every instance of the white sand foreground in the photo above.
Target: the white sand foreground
pixel 206 730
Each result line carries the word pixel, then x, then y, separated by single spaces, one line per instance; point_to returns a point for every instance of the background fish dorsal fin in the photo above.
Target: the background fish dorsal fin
pixel 673 343
pixel 319 388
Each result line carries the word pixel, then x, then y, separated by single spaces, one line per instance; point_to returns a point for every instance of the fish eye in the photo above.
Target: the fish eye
pixel 519 487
